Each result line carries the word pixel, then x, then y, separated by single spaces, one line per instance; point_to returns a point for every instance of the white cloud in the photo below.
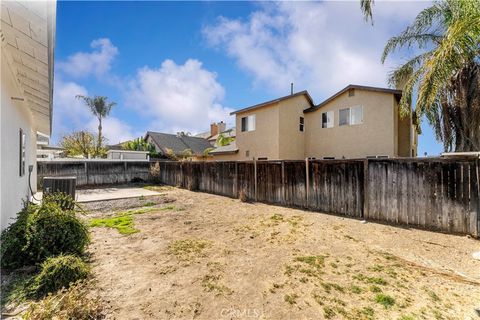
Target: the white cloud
pixel 178 97
pixel 98 62
pixel 320 46
pixel 71 114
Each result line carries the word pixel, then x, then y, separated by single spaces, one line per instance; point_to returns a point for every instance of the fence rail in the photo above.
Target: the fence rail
pixel 433 193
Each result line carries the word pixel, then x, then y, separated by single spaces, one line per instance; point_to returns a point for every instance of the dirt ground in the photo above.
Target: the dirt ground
pixel 212 257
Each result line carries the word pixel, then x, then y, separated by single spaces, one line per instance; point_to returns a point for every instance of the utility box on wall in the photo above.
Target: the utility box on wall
pixel 60 184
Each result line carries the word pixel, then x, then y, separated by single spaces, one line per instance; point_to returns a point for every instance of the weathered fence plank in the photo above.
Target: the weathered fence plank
pixel 438 195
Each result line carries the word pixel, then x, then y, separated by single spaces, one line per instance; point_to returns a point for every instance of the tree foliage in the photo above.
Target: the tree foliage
pixel 442 77
pixel 366 7
pixel 100 108
pixel 224 140
pixel 140 144
pixel 81 143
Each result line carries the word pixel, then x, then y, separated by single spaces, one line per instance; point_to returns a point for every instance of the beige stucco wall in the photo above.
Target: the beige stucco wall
pixel 291 139
pixel 263 141
pixel 375 136
pixel 405 131
pixel 224 157
pixel 276 135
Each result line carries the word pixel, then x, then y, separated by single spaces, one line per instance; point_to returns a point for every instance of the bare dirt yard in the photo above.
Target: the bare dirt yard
pixel 201 256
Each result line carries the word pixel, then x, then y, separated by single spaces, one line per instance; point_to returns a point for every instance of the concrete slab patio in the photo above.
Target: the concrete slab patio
pixel 108 193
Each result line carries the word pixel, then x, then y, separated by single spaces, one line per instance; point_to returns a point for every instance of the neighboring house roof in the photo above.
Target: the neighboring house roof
pixel 397 93
pixel 230 133
pixel 263 104
pixel 204 135
pixel 178 143
pixel 230 148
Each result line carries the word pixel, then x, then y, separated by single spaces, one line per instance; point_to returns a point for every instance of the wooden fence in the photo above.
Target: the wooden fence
pixel 90 172
pixel 434 193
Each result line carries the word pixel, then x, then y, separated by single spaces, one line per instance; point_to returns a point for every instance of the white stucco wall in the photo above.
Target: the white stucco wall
pixel 14 115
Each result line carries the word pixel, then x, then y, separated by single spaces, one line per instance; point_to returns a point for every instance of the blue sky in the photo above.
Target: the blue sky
pixel 177 66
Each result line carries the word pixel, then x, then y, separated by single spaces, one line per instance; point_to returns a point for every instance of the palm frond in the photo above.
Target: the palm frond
pixel 366 7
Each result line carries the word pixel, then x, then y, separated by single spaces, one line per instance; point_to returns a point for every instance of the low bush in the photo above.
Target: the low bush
pixel 76 302
pixel 58 272
pixel 41 232
pixel 52 231
pixel 63 200
pixel 14 240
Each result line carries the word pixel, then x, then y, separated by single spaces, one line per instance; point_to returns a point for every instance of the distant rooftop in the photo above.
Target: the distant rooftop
pixel 179 143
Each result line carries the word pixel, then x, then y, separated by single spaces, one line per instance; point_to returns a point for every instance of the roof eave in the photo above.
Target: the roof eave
pixel 396 93
pixel 271 102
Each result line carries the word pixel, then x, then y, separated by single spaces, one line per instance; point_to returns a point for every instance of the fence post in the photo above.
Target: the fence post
pixel 235 186
pixel 307 182
pixel 478 199
pixel 255 175
pixel 283 184
pixel 125 171
pixel 365 189
pixel 86 173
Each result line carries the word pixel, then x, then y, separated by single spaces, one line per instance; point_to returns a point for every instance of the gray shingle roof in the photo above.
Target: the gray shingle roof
pixel 179 143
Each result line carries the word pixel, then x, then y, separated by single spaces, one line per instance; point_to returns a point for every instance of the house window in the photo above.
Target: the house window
pixel 248 123
pixel 327 119
pixel 302 123
pixel 22 153
pixel 356 115
pixel 247 153
pixel 351 92
pixel 344 117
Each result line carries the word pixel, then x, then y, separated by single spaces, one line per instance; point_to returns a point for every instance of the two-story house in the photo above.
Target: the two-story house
pixel 356 122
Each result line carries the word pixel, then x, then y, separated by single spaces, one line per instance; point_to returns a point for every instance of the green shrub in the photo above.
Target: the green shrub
pixel 63 200
pixel 41 232
pixel 58 272
pixel 75 302
pixel 51 231
pixel 14 240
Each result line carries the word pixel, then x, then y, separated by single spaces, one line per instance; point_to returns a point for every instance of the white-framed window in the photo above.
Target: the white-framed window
pixel 248 123
pixel 356 115
pixel 344 117
pixel 350 116
pixel 327 119
pixel 302 124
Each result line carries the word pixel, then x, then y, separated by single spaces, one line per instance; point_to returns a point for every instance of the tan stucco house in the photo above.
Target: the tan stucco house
pixel 356 122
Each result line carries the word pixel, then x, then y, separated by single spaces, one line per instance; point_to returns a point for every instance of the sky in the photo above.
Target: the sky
pixel 179 66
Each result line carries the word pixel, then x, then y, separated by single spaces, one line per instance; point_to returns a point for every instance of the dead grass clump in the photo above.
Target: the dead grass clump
pixel 72 303
pixel 211 283
pixel 188 249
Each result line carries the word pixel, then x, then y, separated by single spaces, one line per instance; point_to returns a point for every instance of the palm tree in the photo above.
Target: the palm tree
pixel 100 108
pixel 366 7
pixel 444 76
